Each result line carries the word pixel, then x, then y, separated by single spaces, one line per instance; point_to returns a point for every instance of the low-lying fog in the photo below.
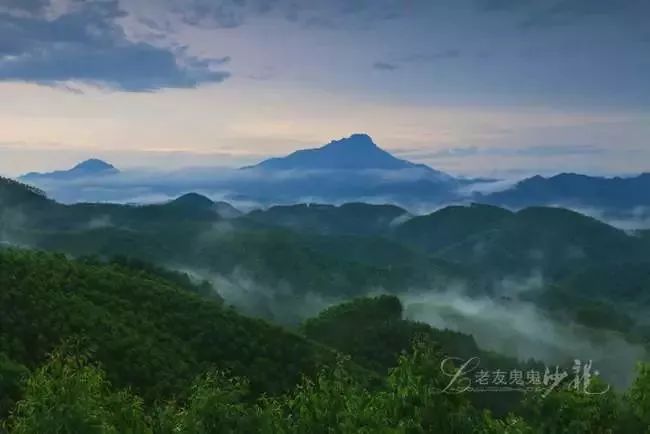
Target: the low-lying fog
pixel 519 329
pixel 250 189
pixel 501 323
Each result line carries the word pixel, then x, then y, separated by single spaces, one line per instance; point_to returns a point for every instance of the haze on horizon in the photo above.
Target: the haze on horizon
pixel 470 87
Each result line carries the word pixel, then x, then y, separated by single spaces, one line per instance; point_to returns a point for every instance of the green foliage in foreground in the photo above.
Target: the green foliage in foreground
pixel 70 395
pixel 166 359
pixel 11 378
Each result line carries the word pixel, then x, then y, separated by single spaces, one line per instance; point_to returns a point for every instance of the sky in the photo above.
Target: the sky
pixel 472 87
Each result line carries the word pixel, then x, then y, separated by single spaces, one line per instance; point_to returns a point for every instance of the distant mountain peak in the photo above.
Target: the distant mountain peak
pixel 90 167
pixel 357 140
pixel 94 165
pixel 357 152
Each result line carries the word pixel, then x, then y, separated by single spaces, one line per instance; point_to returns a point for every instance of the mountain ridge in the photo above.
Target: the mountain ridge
pixel 356 152
pixel 573 189
pixel 355 168
pixel 90 167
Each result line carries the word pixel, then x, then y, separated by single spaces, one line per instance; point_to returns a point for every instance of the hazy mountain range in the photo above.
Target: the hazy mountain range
pixel 349 169
pixel 578 190
pixel 468 268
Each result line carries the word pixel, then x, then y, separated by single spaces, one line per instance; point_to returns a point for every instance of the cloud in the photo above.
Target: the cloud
pixel 540 151
pixel 235 13
pixel 432 57
pixel 222 14
pixel 418 58
pixel 487 187
pixel 232 185
pixel 593 7
pixel 461 151
pixel 23 7
pixel 560 150
pixel 630 220
pixel 86 44
pixel 501 5
pixel 277 302
pixel 384 66
pixel 511 326
pixel 550 13
pixel 567 11
pixel 315 13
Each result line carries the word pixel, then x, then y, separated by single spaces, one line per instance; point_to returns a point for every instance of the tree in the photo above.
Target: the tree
pixel 12 375
pixel 639 396
pixel 216 405
pixel 68 395
pixel 572 411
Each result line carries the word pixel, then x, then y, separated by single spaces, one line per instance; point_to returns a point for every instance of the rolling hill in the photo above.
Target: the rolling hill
pixel 147 332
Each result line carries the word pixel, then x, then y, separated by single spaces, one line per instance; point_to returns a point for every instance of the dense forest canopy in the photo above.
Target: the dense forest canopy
pixel 190 317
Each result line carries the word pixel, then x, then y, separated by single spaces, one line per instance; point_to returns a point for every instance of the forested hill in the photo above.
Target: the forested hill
pixel 124 333
pixel 191 233
pixel 120 329
pixel 14 193
pixel 193 230
pixel 281 256
pixel 147 332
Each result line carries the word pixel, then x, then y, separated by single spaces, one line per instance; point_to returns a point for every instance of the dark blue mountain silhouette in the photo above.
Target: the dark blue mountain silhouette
pixel 91 167
pixel 354 153
pixel 574 190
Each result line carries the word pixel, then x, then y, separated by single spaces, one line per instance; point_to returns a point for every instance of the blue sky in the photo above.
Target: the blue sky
pixel 481 87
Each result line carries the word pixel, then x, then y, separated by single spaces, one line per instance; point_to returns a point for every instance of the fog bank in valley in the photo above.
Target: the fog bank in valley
pixel 519 329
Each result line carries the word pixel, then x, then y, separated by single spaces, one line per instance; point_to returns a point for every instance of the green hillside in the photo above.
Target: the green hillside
pixel 147 332
pixel 188 233
pixel 347 219
pixel 69 393
pixel 451 225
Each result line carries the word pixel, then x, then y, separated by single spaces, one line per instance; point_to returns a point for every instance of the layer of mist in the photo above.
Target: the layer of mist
pixel 519 329
pixel 501 321
pixel 250 188
pixel 276 303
